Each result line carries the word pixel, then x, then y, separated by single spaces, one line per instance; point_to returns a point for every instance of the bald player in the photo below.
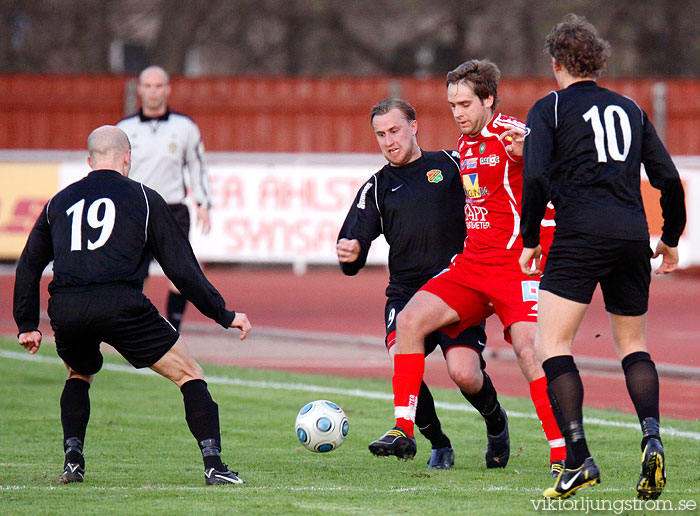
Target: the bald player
pixel 101 233
pixel 168 156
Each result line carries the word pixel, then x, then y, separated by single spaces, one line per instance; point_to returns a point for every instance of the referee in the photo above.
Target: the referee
pixel 101 233
pixel 168 156
pixel 584 151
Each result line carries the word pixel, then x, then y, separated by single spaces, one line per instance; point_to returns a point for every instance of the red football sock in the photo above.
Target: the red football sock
pixel 408 375
pixel 538 393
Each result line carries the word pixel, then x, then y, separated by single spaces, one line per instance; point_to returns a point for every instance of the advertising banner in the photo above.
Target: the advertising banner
pixel 273 208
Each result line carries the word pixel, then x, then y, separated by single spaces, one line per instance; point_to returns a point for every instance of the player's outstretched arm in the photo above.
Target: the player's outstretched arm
pixel 241 322
pixel 30 340
pixel 526 258
pixel 670 260
pixel 347 250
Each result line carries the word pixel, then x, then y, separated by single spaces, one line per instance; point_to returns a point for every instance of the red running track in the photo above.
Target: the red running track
pixel 323 300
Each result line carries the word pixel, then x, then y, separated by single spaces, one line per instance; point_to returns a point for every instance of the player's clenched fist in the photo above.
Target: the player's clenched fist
pixel 30 340
pixel 347 250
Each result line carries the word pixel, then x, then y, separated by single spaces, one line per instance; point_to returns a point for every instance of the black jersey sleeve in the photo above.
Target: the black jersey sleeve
pixel 363 223
pixel 663 176
pixel 537 157
pixel 173 251
pixel 37 254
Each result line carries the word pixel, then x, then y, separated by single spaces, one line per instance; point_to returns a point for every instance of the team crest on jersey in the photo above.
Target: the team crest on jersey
pixel 471 186
pixel 172 147
pixel 482 147
pixel 434 176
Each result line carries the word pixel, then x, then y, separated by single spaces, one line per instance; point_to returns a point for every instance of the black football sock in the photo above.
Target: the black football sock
pixel 75 408
pixel 427 419
pixel 202 415
pixel 176 308
pixel 565 391
pixel 643 387
pixel 486 403
pixel 75 414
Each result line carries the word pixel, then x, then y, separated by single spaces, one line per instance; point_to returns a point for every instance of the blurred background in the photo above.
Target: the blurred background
pixel 325 38
pixel 281 90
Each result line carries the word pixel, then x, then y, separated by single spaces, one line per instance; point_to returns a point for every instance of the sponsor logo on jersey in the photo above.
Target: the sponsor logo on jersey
pixel 361 204
pixel 491 160
pixel 475 217
pixel 482 147
pixel 469 152
pixel 471 163
pixel 434 176
pixel 471 186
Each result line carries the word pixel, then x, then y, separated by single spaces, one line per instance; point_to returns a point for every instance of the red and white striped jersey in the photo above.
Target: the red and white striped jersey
pixel 493 184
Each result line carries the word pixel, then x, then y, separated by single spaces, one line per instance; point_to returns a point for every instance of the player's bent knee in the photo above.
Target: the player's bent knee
pixel 468 380
pixel 73 375
pixel 526 354
pixel 179 366
pixel 411 321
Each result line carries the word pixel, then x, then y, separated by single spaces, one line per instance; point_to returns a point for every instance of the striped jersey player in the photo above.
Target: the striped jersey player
pixel 416 201
pixel 493 181
pixel 486 277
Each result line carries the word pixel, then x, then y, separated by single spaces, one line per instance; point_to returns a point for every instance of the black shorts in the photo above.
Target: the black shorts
pixel 182 216
pixel 119 315
pixel 577 263
pixel 473 337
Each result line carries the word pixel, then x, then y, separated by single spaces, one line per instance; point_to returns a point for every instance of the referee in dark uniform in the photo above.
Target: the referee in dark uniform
pixel 417 202
pixel 101 233
pixel 584 151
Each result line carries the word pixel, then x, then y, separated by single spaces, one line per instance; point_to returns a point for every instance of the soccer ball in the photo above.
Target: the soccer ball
pixel 321 426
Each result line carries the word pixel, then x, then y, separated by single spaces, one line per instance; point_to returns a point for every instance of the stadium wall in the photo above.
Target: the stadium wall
pixel 268 114
pixel 268 207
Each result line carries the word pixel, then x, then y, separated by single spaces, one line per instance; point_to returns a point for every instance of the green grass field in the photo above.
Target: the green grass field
pixel 141 458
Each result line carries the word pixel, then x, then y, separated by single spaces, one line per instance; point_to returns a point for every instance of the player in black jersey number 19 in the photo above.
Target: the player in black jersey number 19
pixel 101 233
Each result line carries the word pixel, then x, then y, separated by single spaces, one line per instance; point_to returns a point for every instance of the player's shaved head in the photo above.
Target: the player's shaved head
pixel 109 148
pixel 151 70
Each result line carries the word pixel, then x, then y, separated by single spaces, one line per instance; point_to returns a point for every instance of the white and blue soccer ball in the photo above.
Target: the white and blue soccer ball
pixel 321 426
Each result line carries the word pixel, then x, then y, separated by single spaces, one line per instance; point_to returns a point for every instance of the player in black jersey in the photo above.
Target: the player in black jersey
pixel 584 151
pixel 417 202
pixel 101 233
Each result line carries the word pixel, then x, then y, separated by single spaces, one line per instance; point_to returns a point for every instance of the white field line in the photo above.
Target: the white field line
pixel 360 393
pixel 233 490
pixel 291 489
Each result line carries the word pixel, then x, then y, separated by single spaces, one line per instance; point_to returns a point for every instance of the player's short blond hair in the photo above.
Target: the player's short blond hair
pixel 384 106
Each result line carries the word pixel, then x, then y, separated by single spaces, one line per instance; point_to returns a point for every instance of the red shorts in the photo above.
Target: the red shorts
pixel 476 287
